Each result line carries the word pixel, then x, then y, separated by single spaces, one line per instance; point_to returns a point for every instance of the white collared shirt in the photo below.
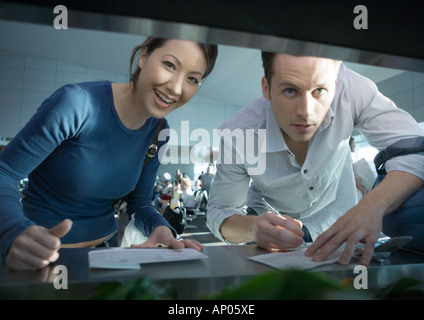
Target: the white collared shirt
pixel 323 188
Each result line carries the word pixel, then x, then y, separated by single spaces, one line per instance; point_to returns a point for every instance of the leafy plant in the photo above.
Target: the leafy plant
pixel 139 289
pixel 291 284
pixel 273 285
pixel 404 288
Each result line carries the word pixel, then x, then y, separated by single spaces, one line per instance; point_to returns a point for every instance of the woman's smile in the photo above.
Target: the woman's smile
pixel 162 100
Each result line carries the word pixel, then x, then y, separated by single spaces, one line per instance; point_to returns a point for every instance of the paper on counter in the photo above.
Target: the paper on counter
pixel 294 259
pixel 131 258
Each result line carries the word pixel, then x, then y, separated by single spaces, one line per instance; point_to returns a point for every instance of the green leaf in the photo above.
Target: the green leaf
pixel 139 289
pixel 404 288
pixel 291 284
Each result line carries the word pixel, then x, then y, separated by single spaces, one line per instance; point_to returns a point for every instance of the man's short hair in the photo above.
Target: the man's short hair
pixel 268 59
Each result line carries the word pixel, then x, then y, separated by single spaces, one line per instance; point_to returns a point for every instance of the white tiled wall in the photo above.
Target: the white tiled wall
pixel 26 81
pixel 201 112
pixel 407 91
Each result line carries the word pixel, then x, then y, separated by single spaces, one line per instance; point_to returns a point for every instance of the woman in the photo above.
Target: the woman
pixel 187 193
pixel 85 146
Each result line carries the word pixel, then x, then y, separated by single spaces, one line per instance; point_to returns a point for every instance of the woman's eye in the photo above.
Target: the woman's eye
pixel 169 65
pixel 193 80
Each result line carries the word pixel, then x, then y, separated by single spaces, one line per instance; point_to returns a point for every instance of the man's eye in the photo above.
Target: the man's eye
pixel 320 91
pixel 289 91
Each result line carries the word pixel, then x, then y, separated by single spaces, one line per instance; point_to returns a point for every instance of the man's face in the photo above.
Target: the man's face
pixel 301 92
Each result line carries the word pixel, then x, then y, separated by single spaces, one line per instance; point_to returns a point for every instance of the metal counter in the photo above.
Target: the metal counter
pixel 226 266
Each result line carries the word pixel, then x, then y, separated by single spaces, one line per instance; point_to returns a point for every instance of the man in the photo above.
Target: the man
pixel 310 108
pixel 207 178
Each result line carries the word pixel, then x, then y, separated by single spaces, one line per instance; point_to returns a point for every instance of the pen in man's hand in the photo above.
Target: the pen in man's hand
pixel 271 208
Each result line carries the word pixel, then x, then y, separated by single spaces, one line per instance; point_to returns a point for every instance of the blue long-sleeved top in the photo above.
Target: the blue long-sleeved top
pixel 78 157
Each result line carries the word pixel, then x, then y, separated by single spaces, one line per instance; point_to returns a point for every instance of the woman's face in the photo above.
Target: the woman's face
pixel 184 186
pixel 169 76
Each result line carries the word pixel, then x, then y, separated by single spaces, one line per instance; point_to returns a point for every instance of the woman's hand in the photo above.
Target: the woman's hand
pixel 162 235
pixel 36 247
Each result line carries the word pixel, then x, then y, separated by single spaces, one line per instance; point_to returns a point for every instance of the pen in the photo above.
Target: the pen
pixel 271 208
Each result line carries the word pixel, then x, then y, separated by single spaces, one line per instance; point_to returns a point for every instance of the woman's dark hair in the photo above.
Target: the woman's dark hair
pixel 151 44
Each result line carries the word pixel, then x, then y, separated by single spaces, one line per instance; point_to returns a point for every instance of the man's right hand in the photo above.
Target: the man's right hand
pixel 36 247
pixel 278 232
pixel 269 230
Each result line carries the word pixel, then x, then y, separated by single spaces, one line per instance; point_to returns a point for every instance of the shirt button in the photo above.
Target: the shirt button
pixel 311 188
pixel 305 171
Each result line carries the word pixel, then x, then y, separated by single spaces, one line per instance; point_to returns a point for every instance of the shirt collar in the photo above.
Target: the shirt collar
pixel 327 119
pixel 274 136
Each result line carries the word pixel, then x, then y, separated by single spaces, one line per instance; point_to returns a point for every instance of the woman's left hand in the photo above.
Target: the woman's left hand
pixel 162 235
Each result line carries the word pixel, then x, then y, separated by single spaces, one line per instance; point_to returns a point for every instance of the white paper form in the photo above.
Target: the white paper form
pixel 294 259
pixel 131 258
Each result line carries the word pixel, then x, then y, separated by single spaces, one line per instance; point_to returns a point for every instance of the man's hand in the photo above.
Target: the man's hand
pixel 278 232
pixel 269 230
pixel 162 235
pixel 358 225
pixel 36 247
pixel 363 223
